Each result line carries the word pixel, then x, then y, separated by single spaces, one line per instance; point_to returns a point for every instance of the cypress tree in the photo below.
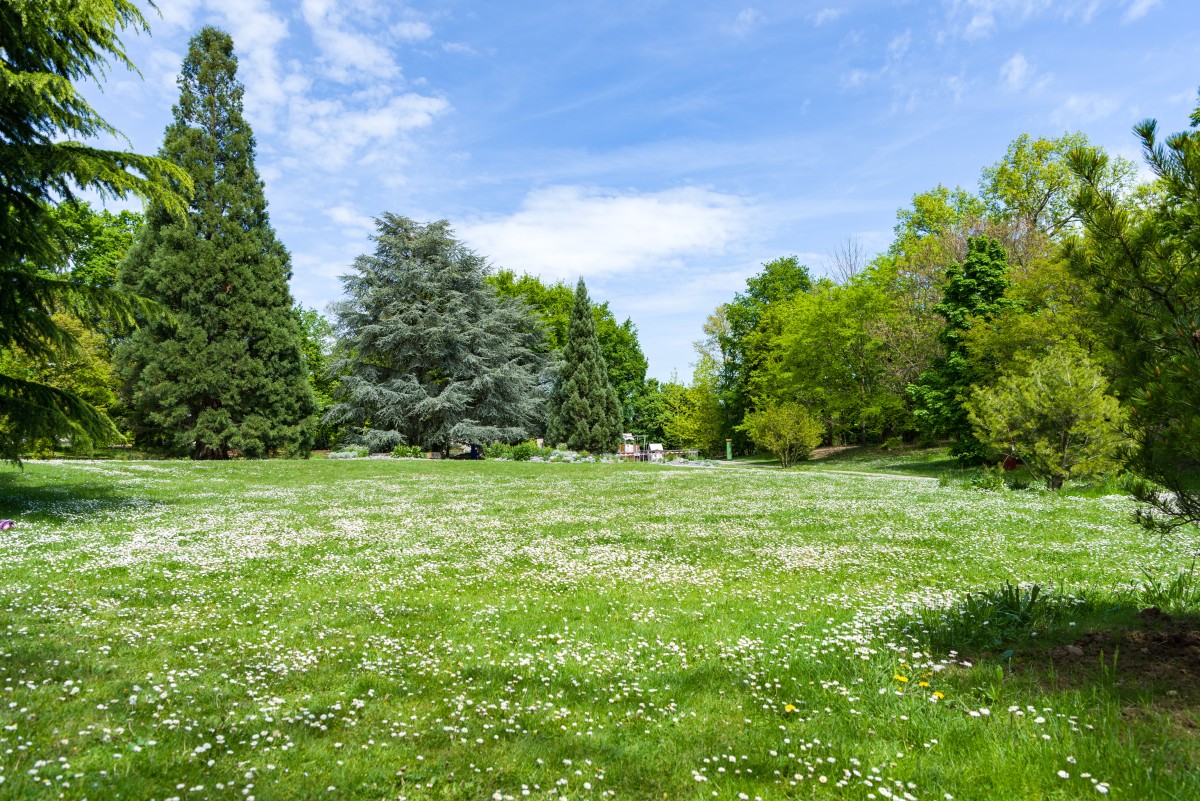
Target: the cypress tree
pixel 226 373
pixel 584 411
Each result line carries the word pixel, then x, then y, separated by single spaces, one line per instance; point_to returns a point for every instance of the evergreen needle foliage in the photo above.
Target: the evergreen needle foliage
pixel 584 410
pixel 1144 263
pixel 227 374
pixel 429 355
pixel 45 48
pixel 1056 416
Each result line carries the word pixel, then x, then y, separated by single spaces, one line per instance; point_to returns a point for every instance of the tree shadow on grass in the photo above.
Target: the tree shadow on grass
pixel 35 498
pixel 1153 657
pixel 1113 643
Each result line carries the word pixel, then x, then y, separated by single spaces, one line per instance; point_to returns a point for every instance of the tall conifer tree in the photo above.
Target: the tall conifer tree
pixel 584 410
pixel 226 374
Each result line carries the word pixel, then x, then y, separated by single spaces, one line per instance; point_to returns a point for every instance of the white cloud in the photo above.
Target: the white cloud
pixel 747 18
pixel 978 19
pixel 331 133
pixel 178 14
pixel 1080 109
pixel 348 218
pixel 827 15
pixel 899 45
pixel 564 232
pixel 412 31
pixel 1016 72
pixel 461 48
pixel 346 52
pixel 1139 8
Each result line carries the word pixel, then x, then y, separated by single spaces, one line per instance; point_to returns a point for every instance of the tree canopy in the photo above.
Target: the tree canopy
pixel 45 50
pixel 585 412
pixel 225 373
pixel 428 354
pixel 1143 261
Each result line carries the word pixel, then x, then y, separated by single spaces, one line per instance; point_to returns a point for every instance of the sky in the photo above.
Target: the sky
pixel 661 150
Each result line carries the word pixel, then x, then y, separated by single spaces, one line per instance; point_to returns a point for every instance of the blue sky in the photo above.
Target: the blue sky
pixel 662 150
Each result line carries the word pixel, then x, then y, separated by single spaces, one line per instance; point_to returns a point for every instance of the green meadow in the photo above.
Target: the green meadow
pixel 394 629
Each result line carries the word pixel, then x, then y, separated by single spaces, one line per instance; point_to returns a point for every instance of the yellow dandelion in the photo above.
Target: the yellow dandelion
pixel 789 708
pixel 898 677
pixel 938 695
pixel 922 684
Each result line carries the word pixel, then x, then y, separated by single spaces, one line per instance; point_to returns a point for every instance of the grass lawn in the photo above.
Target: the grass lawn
pixel 379 629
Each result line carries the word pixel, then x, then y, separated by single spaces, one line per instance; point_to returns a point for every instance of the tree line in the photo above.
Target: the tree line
pixel 177 328
pixel 1053 315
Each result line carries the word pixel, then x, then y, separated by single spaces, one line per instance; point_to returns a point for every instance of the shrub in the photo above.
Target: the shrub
pixel 407 452
pixel 497 450
pixel 1057 417
pixel 990 479
pixel 785 429
pixel 349 452
pixel 523 451
pixel 892 444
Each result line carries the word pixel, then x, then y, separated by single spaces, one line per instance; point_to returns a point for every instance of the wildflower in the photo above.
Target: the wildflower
pixel 938 694
pixel 1062 774
pixel 898 677
pixel 922 684
pixel 789 708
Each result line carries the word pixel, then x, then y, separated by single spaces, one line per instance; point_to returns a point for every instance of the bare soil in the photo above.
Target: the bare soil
pixel 1157 659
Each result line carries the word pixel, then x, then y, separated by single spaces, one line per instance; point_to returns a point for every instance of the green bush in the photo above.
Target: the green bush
pixel 785 429
pixel 407 452
pixel 523 451
pixel 1056 415
pixel 990 479
pixel 497 450
pixel 892 444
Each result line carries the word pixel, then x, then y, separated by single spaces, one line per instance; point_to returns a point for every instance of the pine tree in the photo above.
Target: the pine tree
pixel 584 410
pixel 226 373
pixel 430 355
pixel 1143 260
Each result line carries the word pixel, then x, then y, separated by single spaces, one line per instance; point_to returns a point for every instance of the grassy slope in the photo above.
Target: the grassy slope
pixel 378 629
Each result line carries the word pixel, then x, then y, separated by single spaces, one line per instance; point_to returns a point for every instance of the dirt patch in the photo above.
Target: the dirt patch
pixel 831 450
pixel 1158 657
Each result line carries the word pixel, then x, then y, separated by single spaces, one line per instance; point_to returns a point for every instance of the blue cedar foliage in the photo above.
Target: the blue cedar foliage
pixel 226 372
pixel 429 355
